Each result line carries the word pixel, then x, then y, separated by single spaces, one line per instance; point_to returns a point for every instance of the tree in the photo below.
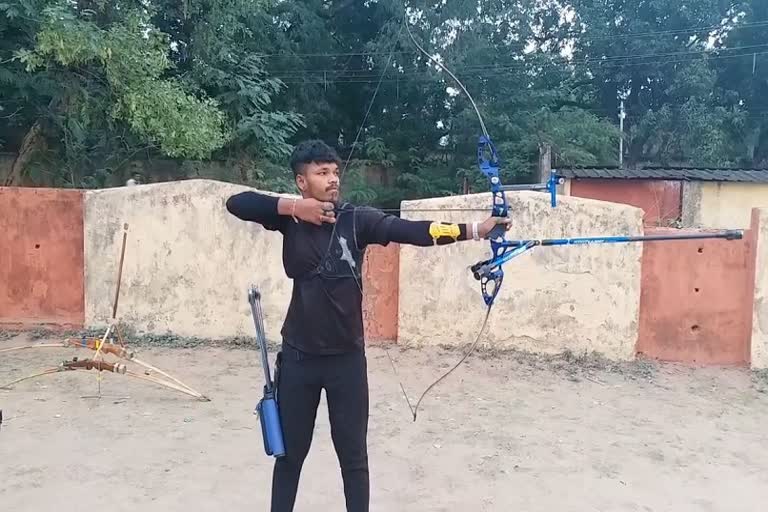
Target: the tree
pixel 217 48
pixel 742 84
pixel 94 85
pixel 658 56
pixel 425 127
pixel 692 76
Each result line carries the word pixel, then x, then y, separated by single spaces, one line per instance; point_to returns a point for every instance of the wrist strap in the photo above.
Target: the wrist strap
pixel 475 235
pixel 293 211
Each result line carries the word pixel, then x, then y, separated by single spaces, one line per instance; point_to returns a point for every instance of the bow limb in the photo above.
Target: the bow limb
pixel 190 391
pixel 415 410
pixel 168 385
pixel 444 68
pixel 33 376
pixel 27 347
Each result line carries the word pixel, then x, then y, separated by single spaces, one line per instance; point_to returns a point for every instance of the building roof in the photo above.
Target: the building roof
pixel 668 173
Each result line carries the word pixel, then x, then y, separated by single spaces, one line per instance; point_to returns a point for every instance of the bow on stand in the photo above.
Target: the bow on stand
pixel 490 272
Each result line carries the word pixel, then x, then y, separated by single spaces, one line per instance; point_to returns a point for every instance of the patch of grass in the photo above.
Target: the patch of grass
pixel 6 334
pixel 134 338
pixel 572 365
pixel 760 380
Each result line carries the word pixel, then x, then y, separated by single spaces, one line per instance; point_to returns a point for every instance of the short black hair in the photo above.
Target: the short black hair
pixel 312 151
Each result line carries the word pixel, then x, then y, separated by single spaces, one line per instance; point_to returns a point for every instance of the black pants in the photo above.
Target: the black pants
pixel 345 380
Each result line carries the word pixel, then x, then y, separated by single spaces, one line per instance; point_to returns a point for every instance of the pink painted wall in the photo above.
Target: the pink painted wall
pixel 660 200
pixel 696 300
pixel 41 257
pixel 381 286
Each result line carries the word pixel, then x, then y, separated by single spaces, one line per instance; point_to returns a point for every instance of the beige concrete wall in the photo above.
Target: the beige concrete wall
pixel 760 304
pixel 188 262
pixel 581 298
pixel 722 205
pixel 578 298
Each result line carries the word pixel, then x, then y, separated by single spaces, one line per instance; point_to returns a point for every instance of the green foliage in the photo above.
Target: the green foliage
pixel 131 56
pixel 159 110
pixel 101 81
pixel 219 42
pixel 233 84
pixel 658 56
pixel 579 137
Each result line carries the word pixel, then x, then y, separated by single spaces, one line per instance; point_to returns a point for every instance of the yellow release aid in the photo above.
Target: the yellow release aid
pixel 438 230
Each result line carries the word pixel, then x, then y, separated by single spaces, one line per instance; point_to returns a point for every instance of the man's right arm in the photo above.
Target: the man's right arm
pixel 270 210
pixel 254 207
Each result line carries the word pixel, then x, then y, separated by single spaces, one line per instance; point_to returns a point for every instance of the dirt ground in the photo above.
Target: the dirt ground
pixel 505 432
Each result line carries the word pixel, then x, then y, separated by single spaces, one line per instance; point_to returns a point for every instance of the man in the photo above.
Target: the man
pixel 323 340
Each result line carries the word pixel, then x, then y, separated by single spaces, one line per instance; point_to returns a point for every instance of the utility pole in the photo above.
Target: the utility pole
pixel 622 115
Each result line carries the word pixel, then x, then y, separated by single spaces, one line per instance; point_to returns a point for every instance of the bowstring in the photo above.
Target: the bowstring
pixel 370 105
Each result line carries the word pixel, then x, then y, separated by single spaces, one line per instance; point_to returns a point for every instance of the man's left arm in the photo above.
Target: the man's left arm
pixel 379 228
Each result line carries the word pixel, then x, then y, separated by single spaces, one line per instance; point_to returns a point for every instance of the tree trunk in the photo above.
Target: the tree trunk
pixel 545 162
pixel 759 148
pixel 32 141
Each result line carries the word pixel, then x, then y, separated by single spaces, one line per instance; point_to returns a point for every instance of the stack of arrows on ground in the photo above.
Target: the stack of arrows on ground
pixel 102 347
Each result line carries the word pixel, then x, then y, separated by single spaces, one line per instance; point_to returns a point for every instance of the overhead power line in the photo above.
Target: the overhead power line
pixel 524 65
pixel 483 72
pixel 638 35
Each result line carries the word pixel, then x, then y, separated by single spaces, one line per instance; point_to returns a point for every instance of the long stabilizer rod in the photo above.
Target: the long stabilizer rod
pixel 524 245
pixel 728 235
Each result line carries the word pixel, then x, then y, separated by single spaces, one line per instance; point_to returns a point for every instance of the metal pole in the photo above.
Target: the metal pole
pixel 254 297
pixel 622 115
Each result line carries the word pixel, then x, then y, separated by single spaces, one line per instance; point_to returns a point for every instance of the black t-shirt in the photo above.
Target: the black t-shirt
pixel 325 314
pixel 325 263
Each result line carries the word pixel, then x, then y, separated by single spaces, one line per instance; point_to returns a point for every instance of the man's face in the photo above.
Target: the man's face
pixel 320 181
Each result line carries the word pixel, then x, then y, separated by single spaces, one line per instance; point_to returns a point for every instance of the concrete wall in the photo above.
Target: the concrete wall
pixel 182 229
pixel 696 300
pixel 722 205
pixel 61 252
pixel 177 232
pixel 760 303
pixel 41 257
pixel 552 299
pixel 660 200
